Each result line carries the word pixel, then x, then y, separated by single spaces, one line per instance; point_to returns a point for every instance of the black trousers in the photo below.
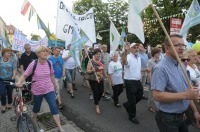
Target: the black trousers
pixel 8 95
pixel 97 89
pixel 134 93
pixel 117 90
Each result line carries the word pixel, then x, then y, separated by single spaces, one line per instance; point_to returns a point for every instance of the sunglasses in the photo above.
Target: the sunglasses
pixel 159 47
pixel 183 60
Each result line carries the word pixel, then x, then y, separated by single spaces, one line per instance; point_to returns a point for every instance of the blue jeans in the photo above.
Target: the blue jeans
pixel 51 100
pixel 171 122
pixel 70 75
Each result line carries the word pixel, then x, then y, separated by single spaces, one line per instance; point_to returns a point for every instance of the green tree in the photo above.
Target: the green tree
pixel 35 37
pixel 153 31
pixel 116 10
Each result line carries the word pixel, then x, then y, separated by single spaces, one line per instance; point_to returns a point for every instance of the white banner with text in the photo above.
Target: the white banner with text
pixel 20 40
pixel 68 21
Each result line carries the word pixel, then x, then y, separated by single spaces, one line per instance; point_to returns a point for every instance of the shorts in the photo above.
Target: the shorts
pixel 51 100
pixel 59 84
pixel 70 75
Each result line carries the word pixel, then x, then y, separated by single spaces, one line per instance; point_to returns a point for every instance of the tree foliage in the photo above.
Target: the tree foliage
pixel 35 37
pixel 153 31
pixel 117 11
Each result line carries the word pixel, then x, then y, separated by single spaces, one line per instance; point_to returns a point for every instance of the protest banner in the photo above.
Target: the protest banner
pixel 68 21
pixel 20 40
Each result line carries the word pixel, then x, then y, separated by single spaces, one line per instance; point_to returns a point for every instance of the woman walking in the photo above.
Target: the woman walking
pixel 115 76
pixel 97 85
pixel 151 64
pixel 43 85
pixel 7 73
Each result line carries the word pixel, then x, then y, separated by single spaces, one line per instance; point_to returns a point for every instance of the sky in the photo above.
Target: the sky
pixel 46 9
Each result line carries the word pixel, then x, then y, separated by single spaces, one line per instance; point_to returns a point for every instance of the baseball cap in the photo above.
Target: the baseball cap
pixel 133 44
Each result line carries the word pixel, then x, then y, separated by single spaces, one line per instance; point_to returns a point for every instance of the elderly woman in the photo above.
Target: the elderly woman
pixel 115 76
pixel 7 73
pixel 151 64
pixel 95 71
pixel 43 85
pixel 192 67
pixel 194 76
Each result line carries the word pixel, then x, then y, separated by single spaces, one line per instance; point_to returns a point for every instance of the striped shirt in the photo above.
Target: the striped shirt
pixel 43 84
pixel 168 77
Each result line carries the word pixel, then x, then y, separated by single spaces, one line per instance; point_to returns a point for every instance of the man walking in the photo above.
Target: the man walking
pixel 132 76
pixel 59 72
pixel 26 58
pixel 170 90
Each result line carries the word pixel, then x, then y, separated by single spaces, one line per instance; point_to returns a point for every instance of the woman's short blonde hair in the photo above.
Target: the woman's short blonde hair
pixel 41 48
pixel 190 51
pixel 185 55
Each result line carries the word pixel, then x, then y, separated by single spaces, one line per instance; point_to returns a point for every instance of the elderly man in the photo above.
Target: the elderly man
pixel 132 76
pixel 26 58
pixel 106 61
pixel 171 92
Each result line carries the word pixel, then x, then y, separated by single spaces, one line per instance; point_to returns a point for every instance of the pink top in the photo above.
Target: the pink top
pixel 42 77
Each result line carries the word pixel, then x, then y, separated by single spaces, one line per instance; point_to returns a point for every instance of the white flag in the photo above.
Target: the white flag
pixel 114 37
pixel 192 18
pixel 67 21
pixel 135 24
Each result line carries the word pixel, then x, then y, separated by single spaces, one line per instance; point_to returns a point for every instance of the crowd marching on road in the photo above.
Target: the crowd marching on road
pixel 107 76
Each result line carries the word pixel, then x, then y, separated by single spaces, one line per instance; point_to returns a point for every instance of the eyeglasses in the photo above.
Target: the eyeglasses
pixel 135 47
pixel 180 45
pixel 159 47
pixel 183 60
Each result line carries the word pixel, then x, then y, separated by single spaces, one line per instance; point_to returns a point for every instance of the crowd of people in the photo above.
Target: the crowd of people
pixel 174 103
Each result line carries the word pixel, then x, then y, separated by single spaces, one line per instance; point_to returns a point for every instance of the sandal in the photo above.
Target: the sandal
pixel 98 111
pixel 60 106
pixel 10 107
pixel 3 110
pixel 83 85
pixel 151 109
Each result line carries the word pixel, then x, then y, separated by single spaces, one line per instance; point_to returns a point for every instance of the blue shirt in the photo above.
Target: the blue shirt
pixel 57 65
pixel 7 68
pixel 144 59
pixel 168 77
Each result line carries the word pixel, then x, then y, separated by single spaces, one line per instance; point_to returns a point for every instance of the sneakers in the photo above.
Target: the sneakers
pixel 106 97
pixel 90 96
pixel 108 93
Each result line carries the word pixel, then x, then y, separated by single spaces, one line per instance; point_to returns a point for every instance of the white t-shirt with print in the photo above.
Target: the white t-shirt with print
pixel 69 63
pixel 115 69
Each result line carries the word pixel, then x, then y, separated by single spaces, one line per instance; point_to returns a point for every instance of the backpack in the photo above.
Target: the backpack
pixel 35 65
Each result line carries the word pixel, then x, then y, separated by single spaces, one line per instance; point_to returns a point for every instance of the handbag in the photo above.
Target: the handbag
pixel 2 87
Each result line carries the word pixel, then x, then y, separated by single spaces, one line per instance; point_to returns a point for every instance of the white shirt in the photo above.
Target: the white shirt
pixel 69 63
pixel 194 74
pixel 115 69
pixel 132 71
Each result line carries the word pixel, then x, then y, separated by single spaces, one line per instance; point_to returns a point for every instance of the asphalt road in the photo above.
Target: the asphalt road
pixel 81 110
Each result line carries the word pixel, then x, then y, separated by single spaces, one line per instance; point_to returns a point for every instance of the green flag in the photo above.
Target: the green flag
pixel 192 18
pixel 41 25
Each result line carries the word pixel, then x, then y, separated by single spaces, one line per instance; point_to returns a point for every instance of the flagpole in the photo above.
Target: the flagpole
pixel 171 44
pixel 57 22
pixel 91 63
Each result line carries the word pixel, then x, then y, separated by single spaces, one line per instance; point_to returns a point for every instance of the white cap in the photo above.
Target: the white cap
pixel 133 44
